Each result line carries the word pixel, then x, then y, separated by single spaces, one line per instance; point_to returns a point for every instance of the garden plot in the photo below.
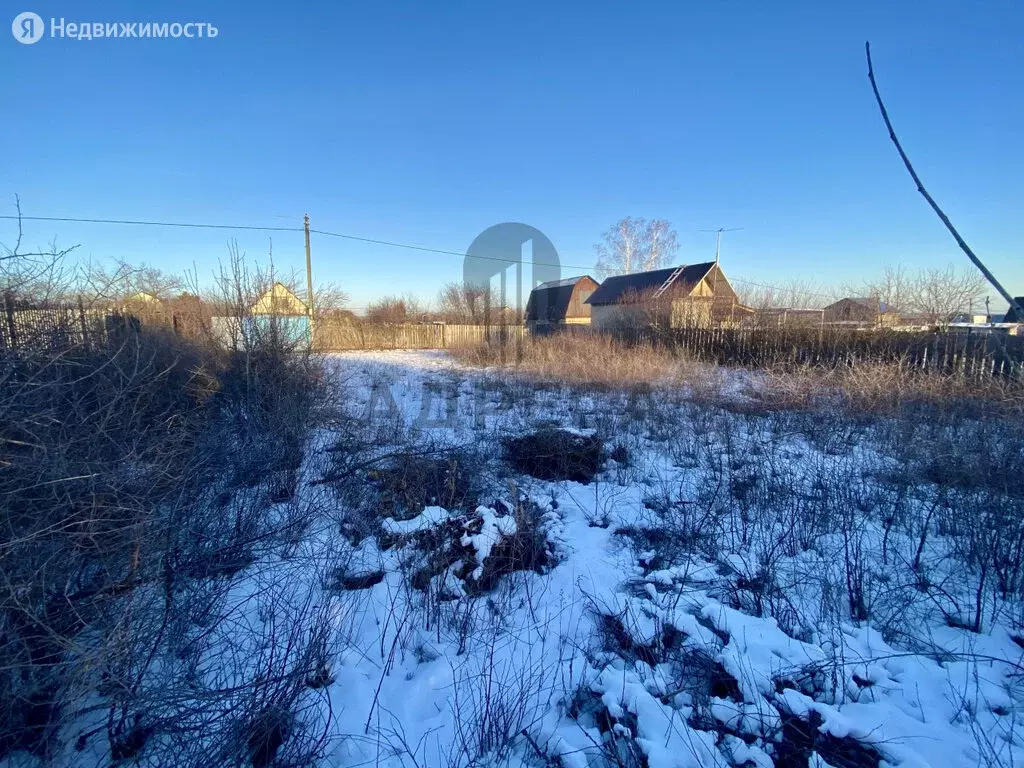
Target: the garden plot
pixel 520 573
pixel 730 588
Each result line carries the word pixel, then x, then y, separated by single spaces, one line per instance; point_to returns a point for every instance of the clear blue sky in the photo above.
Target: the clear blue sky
pixel 428 122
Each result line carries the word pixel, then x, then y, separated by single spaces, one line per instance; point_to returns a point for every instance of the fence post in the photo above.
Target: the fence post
pixel 81 319
pixel 9 310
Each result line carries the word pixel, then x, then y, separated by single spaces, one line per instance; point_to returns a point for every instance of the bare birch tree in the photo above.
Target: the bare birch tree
pixel 636 245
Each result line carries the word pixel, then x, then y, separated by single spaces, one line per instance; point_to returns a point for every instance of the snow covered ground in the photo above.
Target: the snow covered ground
pixel 631 646
pixel 723 584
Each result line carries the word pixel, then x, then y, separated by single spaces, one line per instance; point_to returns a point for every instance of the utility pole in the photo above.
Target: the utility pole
pixel 309 279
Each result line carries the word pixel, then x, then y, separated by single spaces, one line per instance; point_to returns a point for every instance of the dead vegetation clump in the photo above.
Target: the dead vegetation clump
pixel 525 549
pixel 802 738
pixel 411 482
pixel 556 454
pixel 520 545
pixel 400 485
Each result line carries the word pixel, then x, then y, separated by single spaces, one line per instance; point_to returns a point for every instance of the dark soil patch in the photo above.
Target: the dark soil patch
pixel 618 639
pixel 345 582
pixel 556 454
pixel 801 737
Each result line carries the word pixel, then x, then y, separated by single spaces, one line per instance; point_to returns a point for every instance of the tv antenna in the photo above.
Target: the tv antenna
pixel 718 238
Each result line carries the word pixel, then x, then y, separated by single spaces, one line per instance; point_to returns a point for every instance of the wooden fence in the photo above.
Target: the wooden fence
pixel 336 336
pixel 945 352
pixel 53 327
pixel 59 326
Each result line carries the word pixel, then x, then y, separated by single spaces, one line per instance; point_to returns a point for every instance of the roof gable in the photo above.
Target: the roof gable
pixel 278 300
pixel 614 289
pixel 550 301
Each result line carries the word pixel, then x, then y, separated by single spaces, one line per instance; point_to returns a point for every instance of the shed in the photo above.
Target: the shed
pixel 559 303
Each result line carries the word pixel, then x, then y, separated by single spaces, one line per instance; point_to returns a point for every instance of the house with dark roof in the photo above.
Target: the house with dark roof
pixel 559 303
pixel 695 294
pixel 860 312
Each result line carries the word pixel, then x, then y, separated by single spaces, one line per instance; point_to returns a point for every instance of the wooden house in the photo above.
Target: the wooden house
pixel 560 303
pixel 676 297
pixel 278 300
pixel 862 312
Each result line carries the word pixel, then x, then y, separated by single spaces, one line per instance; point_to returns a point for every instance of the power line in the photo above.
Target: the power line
pixel 240 227
pixel 344 236
pixel 427 249
pixel 135 222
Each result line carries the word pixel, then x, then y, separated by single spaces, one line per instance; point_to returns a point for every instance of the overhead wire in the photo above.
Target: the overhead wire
pixel 346 236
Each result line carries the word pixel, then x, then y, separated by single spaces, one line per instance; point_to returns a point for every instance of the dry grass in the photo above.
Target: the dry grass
pixel 588 360
pixel 885 388
pixel 591 360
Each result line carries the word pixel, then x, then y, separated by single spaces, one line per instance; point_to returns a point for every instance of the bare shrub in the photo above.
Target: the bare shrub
pixel 135 498
pixel 497 697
